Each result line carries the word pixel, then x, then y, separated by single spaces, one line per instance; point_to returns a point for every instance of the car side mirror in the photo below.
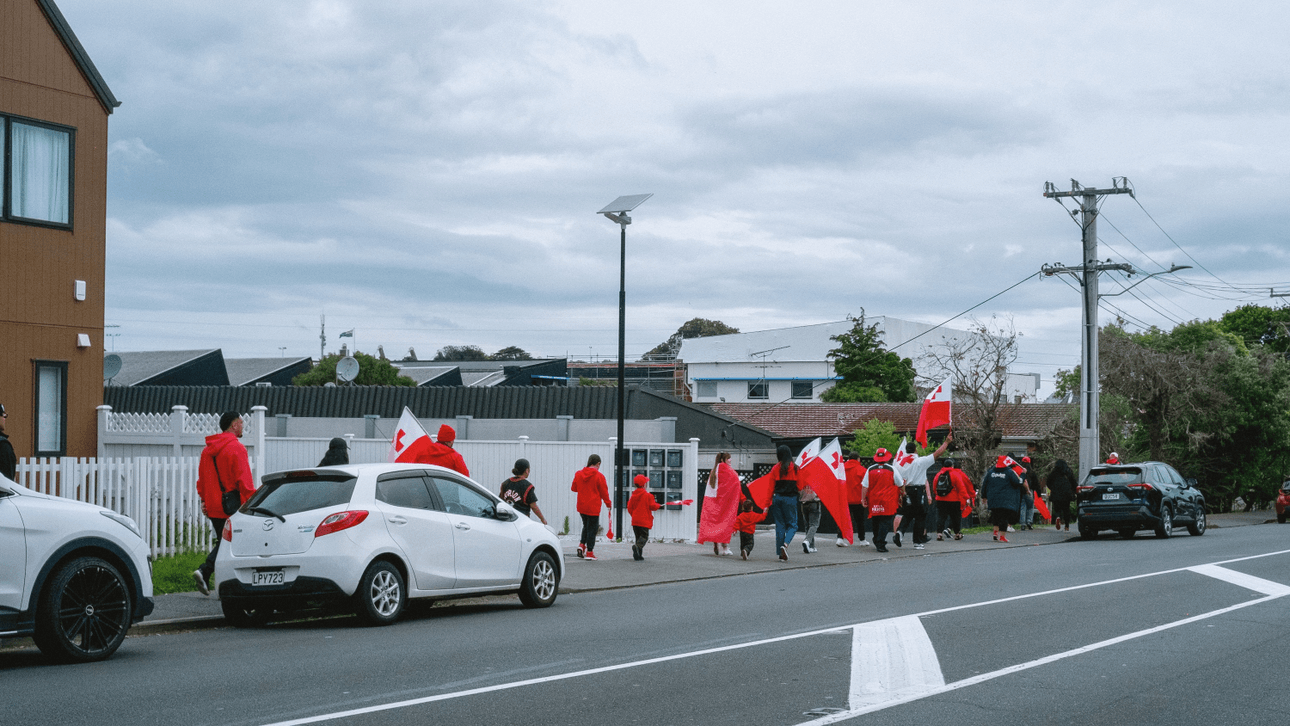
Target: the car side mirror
pixel 504 512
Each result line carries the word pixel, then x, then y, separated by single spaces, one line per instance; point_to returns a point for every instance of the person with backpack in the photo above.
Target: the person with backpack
pixel 952 490
pixel 519 493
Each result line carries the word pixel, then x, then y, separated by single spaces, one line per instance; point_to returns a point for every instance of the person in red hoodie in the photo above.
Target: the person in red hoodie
pixel 641 506
pixel 855 498
pixel 223 468
pixel 440 453
pixel 746 525
pixel 953 491
pixel 592 490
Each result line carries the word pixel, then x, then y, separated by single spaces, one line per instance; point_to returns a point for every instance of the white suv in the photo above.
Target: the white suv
pixel 371 536
pixel 72 575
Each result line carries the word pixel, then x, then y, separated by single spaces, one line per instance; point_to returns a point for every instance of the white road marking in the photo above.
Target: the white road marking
pixel 892 659
pixel 808 634
pixel 1249 582
pixel 974 680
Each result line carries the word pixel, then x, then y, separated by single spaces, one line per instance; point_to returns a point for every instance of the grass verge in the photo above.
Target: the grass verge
pixel 175 573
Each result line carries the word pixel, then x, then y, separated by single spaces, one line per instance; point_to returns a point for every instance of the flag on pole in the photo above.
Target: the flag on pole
pixel 408 433
pixel 936 411
pixel 347 334
pixel 827 475
pixel 810 451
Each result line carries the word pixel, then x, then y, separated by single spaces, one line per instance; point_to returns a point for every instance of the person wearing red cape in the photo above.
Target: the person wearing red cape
pixel 720 502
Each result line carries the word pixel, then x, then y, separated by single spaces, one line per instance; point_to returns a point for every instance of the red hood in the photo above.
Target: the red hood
pixel 219 442
pixel 585 476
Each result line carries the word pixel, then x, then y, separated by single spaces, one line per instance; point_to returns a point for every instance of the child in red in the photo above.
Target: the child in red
pixel 746 525
pixel 641 506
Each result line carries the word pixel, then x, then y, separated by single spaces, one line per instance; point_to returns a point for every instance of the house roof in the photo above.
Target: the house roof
pixel 808 420
pixel 440 375
pixel 171 366
pixel 246 371
pixel 77 51
pixel 808 342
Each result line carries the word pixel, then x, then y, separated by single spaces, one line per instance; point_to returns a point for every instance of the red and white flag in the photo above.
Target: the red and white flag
pixel 408 432
pixel 811 451
pixel 936 411
pixel 827 475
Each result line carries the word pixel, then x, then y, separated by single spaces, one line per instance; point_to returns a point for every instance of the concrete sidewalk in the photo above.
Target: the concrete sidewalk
pixel 678 562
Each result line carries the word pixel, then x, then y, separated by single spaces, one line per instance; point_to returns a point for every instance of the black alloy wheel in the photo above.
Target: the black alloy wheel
pixel 84 612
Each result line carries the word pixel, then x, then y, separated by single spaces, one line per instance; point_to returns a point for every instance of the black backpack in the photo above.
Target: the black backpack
pixel 943 484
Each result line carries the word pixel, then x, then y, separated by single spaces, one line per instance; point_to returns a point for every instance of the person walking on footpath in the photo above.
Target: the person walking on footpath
pixel 855 500
pixel 8 460
pixel 881 486
pixel 1001 489
pixel 519 493
pixel 811 513
pixel 1035 489
pixel 746 524
pixel 224 482
pixel 720 506
pixel 337 453
pixel 592 489
pixel 917 493
pixel 641 506
pixel 1061 493
pixel 783 505
pixel 953 491
pixel 1026 511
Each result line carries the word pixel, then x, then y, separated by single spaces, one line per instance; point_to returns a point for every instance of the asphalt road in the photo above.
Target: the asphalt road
pixel 922 640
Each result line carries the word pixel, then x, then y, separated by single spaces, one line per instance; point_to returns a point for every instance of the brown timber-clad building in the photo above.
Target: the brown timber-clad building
pixel 54 109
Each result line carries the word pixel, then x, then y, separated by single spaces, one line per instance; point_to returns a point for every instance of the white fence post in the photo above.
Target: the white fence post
pixel 257 416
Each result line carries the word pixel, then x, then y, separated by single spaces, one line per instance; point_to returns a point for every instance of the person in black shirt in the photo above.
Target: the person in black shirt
pixel 8 461
pixel 519 493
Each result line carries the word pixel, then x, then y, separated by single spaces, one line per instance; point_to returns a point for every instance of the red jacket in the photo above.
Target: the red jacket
pixel 592 490
pixel 642 506
pixel 884 496
pixel 960 486
pixel 224 462
pixel 855 474
pixel 425 451
pixel 747 521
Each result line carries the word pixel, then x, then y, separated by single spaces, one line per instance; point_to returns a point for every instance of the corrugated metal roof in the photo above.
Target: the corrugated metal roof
pixel 139 366
pixel 244 371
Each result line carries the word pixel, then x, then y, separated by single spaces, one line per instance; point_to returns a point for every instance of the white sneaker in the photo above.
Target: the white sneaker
pixel 200 579
pixel 1010 529
pixel 919 546
pixel 841 542
pixel 806 548
pixel 866 543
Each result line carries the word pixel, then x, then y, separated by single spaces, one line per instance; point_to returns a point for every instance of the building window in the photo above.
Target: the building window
pixel 37 178
pixel 758 389
pixel 51 408
pixel 803 389
pixel 706 389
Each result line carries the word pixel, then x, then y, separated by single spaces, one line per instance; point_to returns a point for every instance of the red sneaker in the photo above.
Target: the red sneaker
pixel 590 555
pixel 1002 538
pixel 581 550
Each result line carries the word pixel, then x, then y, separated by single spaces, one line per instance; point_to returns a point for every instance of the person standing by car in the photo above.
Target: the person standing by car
pixel 641 506
pixel 1001 489
pixel 223 481
pixel 337 453
pixel 592 489
pixel 881 486
pixel 518 491
pixel 440 452
pixel 1061 493
pixel 8 461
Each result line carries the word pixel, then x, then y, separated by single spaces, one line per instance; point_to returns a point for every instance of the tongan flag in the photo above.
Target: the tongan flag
pixel 811 451
pixel 408 433
pixel 936 411
pixel 827 475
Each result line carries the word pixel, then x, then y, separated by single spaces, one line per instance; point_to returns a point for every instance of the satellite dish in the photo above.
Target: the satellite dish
pixel 347 368
pixel 111 366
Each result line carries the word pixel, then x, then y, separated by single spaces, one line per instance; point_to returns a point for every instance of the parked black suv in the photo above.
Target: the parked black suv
pixel 1129 497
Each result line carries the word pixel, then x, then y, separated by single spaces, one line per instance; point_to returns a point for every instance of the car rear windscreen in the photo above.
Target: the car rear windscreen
pixel 1118 476
pixel 289 496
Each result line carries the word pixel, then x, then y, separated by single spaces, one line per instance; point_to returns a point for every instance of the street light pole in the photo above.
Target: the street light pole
pixel 616 211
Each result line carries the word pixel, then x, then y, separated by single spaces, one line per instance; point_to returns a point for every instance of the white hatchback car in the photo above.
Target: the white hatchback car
pixel 373 535
pixel 73 576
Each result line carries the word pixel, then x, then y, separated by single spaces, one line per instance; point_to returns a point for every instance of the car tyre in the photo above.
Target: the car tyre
pixel 1166 526
pixel 241 616
pixel 1087 533
pixel 84 611
pixel 541 581
pixel 381 594
pixel 1198 527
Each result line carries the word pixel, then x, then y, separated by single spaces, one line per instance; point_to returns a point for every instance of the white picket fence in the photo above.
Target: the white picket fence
pixel 157 493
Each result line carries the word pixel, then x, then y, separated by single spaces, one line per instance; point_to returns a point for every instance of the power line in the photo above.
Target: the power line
pixel 1180 248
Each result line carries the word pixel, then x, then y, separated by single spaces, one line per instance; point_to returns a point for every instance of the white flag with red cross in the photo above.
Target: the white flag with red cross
pixel 811 451
pixel 408 432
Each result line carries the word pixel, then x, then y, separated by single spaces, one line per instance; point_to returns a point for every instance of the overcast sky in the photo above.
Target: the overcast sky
pixel 427 173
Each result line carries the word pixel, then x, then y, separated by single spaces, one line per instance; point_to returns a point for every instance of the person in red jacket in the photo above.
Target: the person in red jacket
pixel 746 525
pixel 882 484
pixel 592 490
pixel 224 467
pixel 953 491
pixel 641 506
pixel 855 498
pixel 440 453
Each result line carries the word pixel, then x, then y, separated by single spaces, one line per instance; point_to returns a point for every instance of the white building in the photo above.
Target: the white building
pixel 792 364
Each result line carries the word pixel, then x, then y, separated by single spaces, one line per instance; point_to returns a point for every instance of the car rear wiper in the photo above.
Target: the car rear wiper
pixel 265 510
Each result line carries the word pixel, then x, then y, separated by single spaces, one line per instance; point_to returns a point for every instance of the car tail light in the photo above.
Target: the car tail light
pixel 1084 488
pixel 340 520
pixel 227 533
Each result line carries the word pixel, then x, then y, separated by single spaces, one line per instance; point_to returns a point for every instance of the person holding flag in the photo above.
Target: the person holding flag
pixel 592 489
pixel 855 472
pixel 720 502
pixel 642 506
pixel 1001 489
pixel 937 410
pixel 783 505
pixel 913 515
pixel 881 494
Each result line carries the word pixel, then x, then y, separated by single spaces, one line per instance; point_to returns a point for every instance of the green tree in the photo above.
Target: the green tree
pixel 875 434
pixel 869 372
pixel 511 353
pixel 371 372
pixel 693 328
pixel 460 352
pixel 1257 325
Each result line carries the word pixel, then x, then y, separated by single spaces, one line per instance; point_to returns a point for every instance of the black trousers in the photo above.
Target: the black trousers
pixel 208 567
pixel 859 515
pixel 914 516
pixel 949 515
pixel 590 528
pixel 642 536
pixel 881 527
pixel 746 541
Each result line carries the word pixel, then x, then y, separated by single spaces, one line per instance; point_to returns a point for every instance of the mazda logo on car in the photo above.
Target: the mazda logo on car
pixel 268 525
